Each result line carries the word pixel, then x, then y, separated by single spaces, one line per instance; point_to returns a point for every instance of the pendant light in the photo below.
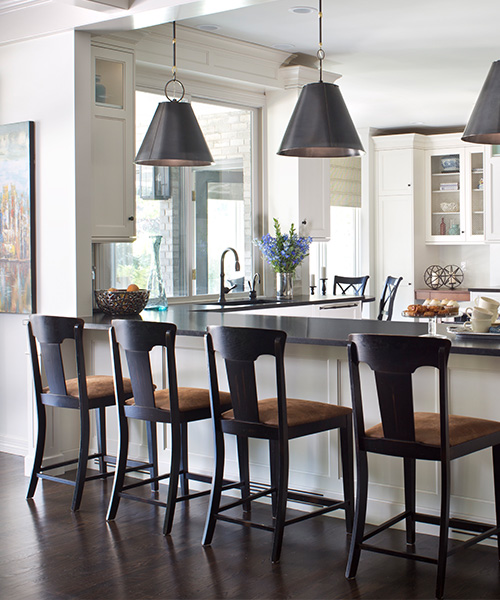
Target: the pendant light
pixel 484 123
pixel 174 138
pixel 320 125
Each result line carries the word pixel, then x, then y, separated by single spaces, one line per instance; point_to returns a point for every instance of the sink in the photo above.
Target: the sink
pixel 236 303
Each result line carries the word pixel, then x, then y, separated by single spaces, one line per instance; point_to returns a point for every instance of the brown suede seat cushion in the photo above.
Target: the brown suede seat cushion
pixel 98 386
pixel 299 412
pixel 189 399
pixel 427 430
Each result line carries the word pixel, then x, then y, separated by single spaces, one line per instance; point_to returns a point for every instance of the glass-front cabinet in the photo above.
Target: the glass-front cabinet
pixel 455 184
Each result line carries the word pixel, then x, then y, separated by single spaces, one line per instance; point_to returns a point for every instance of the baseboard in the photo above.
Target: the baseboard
pixel 13 446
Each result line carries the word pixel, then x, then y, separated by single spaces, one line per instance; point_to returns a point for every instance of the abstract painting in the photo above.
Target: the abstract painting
pixel 17 218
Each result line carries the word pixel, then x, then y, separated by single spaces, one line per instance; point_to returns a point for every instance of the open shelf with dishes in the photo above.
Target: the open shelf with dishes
pixel 455 191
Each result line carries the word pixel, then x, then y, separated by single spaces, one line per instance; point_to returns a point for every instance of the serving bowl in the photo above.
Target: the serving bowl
pixel 121 302
pixel 449 206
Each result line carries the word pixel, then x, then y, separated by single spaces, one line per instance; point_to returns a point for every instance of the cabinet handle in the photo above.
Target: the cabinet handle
pixel 132 218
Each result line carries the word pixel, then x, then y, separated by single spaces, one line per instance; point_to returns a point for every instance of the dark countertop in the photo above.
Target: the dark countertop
pixel 191 321
pixel 242 303
pixel 492 288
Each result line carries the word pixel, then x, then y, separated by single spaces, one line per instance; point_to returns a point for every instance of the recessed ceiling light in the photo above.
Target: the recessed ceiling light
pixel 208 27
pixel 283 46
pixel 302 10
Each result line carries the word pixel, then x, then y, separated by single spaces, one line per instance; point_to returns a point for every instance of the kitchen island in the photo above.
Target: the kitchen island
pixel 317 369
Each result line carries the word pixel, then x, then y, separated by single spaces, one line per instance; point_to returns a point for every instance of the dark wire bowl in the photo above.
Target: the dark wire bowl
pixel 121 302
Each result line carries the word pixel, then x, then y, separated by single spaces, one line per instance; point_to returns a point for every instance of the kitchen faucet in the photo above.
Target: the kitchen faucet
pixel 223 289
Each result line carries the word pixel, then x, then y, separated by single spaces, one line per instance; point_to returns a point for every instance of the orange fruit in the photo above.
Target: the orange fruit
pixel 112 290
pixel 133 288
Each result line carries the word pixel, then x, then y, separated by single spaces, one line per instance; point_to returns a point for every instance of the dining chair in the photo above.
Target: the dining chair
pixel 83 393
pixel 350 285
pixel 405 433
pixel 278 420
pixel 174 405
pixel 386 305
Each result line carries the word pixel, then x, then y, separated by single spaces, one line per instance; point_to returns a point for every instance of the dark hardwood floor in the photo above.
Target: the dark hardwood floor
pixel 47 552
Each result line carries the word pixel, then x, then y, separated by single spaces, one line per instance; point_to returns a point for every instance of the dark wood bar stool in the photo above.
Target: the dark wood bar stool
pixel 175 405
pixel 278 420
pixel 386 305
pixel 350 285
pixel 85 394
pixel 414 435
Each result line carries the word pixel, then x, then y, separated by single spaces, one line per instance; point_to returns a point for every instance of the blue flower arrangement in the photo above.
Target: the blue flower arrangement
pixel 286 251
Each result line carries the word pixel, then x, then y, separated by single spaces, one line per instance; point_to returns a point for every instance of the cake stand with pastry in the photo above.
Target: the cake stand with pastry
pixel 434 311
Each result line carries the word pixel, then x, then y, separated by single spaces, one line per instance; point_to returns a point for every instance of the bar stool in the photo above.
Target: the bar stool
pixel 351 285
pixel 175 405
pixel 85 394
pixel 413 435
pixel 386 305
pixel 278 420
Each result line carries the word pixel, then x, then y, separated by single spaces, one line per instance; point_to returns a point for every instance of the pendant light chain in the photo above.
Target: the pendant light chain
pixel 320 53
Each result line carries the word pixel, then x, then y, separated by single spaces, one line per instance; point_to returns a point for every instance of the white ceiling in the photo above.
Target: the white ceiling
pixel 404 64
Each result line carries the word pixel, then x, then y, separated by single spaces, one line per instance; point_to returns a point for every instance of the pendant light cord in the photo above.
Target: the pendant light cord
pixel 174 55
pixel 174 79
pixel 320 53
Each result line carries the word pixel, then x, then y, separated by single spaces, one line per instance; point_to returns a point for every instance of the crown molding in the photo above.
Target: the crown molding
pixel 7 6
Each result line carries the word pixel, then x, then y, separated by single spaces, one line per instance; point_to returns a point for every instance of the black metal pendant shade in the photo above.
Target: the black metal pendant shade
pixel 320 125
pixel 484 123
pixel 174 138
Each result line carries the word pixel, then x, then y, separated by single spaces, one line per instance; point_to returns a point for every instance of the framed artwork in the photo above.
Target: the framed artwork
pixel 17 218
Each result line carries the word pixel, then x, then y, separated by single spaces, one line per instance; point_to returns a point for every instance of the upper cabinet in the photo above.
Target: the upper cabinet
pixel 395 168
pixel 457 191
pixel 113 148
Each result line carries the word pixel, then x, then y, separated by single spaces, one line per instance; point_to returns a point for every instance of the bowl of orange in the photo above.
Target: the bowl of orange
pixel 122 302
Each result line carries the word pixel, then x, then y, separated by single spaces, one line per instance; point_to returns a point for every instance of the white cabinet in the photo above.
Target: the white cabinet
pixel 492 208
pixel 113 147
pixel 314 197
pixel 394 169
pixel 457 189
pixel 399 212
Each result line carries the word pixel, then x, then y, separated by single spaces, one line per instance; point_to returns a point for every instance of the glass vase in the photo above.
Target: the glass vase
pixel 157 296
pixel 284 286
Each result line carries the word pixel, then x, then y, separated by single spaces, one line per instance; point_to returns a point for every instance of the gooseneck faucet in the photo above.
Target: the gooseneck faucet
pixel 223 289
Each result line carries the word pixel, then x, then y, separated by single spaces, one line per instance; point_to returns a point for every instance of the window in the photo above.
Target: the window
pixel 186 217
pixel 340 255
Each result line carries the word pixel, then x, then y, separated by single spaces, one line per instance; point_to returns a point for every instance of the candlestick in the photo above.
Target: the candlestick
pixel 323 285
pixel 313 287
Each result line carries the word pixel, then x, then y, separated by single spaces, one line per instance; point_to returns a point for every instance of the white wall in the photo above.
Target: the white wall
pixel 36 84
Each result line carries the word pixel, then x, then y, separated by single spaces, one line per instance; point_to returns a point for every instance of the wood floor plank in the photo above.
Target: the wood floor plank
pixel 49 553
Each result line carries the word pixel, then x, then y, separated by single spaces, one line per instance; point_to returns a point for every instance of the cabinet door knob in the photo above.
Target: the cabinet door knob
pixel 132 218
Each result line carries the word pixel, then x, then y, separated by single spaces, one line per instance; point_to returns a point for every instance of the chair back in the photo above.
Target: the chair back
pixel 386 305
pixel 240 347
pixel 350 285
pixel 137 339
pixel 50 332
pixel 394 359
